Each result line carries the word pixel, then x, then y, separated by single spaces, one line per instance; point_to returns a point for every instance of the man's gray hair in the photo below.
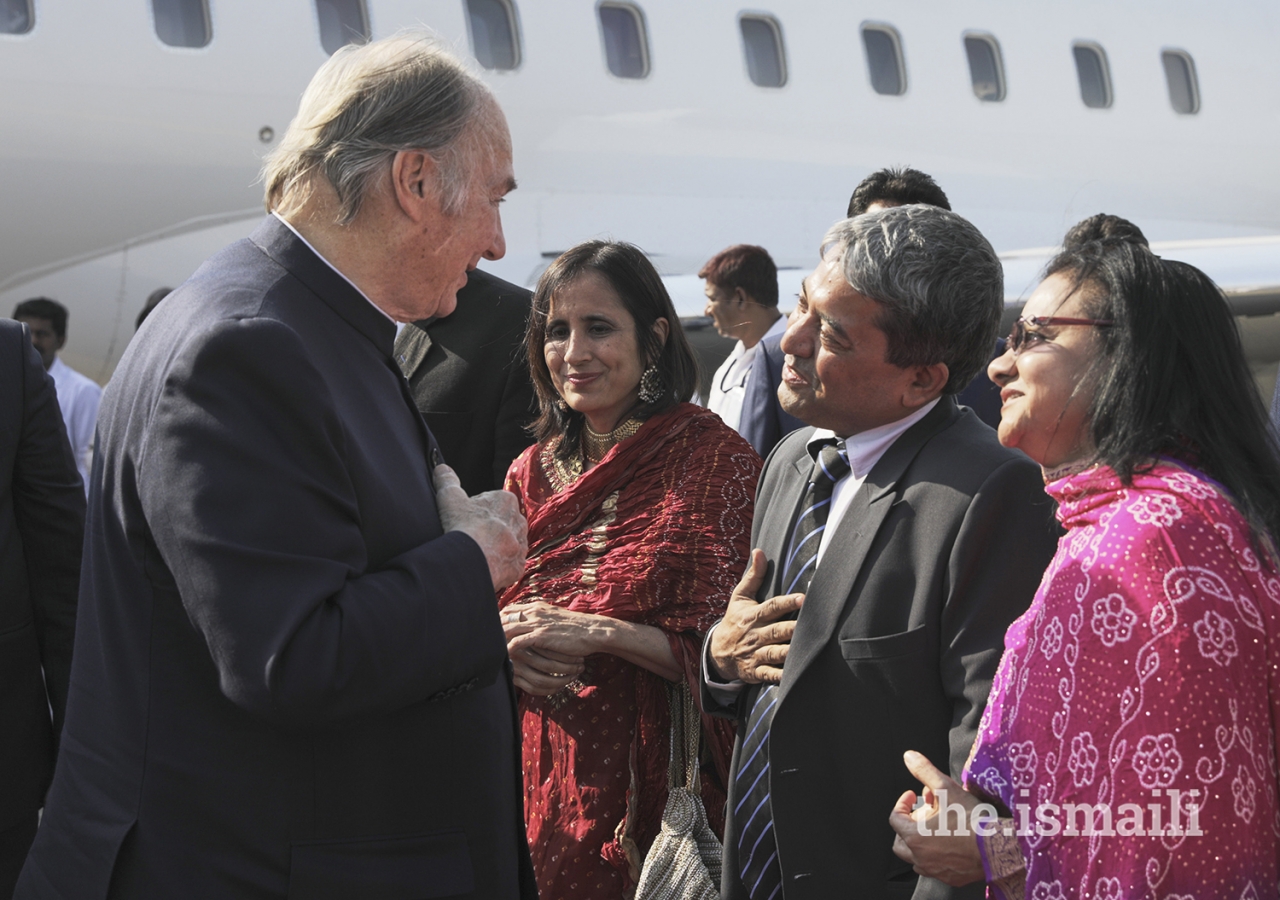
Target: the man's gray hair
pixel 406 92
pixel 939 284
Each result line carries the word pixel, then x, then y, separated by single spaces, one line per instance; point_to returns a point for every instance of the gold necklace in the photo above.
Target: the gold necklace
pixel 596 445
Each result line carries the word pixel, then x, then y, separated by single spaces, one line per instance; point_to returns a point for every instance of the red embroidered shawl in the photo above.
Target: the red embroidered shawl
pixel 657 533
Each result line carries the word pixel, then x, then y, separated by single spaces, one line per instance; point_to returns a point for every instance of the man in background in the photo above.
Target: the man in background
pixel 41 530
pixel 742 301
pixel 78 396
pixel 469 375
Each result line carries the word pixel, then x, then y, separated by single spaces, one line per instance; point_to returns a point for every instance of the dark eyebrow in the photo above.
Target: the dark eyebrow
pixel 834 325
pixel 510 185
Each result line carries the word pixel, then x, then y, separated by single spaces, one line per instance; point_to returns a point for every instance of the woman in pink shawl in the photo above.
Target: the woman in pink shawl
pixel 1128 748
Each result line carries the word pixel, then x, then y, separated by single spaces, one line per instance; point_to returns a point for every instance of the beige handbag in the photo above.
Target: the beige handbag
pixel 684 861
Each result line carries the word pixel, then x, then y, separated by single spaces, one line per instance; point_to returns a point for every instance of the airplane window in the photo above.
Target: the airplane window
pixel 884 59
pixel 342 22
pixel 762 44
pixel 986 69
pixel 493 33
pixel 16 16
pixel 183 23
pixel 1095 77
pixel 1180 73
pixel 625 46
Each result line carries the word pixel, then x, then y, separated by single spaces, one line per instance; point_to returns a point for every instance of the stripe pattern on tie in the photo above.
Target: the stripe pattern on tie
pixel 757 848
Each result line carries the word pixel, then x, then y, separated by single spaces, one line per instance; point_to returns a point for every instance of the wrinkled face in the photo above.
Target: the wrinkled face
pixel 836 375
pixel 593 352
pixel 1043 389
pixel 452 245
pixel 45 339
pixel 723 308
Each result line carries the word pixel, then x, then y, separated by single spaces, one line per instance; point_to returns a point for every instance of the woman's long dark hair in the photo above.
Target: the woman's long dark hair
pixel 642 292
pixel 1171 378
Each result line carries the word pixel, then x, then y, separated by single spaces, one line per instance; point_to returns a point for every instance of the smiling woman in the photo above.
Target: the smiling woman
pixel 1151 645
pixel 639 507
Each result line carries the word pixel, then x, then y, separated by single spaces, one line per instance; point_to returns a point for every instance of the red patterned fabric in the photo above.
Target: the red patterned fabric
pixel 1145 674
pixel 657 533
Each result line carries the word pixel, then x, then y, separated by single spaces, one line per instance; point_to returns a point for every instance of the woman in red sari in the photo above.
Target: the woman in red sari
pixel 639 507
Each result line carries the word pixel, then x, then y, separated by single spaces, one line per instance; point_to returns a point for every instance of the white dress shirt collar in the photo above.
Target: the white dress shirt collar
pixel 864 449
pixel 299 236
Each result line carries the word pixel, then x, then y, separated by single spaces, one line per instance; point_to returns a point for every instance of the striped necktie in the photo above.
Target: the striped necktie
pixel 757 848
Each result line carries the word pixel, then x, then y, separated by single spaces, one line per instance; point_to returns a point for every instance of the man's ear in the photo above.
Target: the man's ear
pixel 741 296
pixel 414 180
pixel 926 384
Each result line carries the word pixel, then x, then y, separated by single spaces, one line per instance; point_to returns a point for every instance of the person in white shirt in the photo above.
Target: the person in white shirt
pixel 78 395
pixel 742 301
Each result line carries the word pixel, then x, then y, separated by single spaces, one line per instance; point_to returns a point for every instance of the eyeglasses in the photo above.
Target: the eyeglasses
pixel 1018 336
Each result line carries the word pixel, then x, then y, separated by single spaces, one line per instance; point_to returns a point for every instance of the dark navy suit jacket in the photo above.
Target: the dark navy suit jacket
pixel 288 681
pixel 41 530
pixel 763 421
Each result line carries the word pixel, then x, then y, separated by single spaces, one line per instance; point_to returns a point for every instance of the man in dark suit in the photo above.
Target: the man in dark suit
pixel 907 538
pixel 469 376
pixel 41 530
pixel 290 677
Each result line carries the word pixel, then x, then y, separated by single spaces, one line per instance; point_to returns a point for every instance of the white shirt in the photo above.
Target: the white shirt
pixel 78 398
pixel 729 384
pixel 864 451
pixel 286 224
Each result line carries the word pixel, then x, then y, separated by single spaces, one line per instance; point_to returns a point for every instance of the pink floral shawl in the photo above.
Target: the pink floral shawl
pixel 1145 673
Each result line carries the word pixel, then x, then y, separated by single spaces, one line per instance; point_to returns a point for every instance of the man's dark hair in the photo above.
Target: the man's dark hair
pixel 1103 226
pixel 645 297
pixel 44 308
pixel 153 300
pixel 744 266
pixel 898 187
pixel 1170 377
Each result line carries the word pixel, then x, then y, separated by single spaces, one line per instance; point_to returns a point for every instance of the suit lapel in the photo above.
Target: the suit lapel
pixel 831 589
pixel 771 532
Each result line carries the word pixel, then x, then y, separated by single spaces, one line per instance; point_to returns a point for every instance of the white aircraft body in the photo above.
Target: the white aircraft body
pixel 680 126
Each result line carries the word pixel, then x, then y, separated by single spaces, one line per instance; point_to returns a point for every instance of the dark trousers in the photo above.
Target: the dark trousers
pixel 14 844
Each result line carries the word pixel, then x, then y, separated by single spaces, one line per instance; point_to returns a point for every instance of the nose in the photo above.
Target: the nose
pixel 576 350
pixel 498 247
pixel 795 341
pixel 1004 367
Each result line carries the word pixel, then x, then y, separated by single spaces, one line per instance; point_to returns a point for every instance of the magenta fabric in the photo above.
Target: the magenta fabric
pixel 1144 673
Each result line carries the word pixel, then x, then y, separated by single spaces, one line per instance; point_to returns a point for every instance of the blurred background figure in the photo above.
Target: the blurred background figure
pixel 78 396
pixel 470 380
pixel 41 529
pixel 153 300
pixel 742 301
pixel 639 506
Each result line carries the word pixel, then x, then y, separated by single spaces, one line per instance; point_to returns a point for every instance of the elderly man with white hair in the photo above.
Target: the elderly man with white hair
pixel 290 679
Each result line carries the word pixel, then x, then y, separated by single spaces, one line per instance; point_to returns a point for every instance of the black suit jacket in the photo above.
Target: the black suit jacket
pixel 41 530
pixel 896 645
pixel 287 680
pixel 764 422
pixel 469 376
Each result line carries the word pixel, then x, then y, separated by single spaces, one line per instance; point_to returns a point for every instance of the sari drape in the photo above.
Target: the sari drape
pixel 1132 725
pixel 657 533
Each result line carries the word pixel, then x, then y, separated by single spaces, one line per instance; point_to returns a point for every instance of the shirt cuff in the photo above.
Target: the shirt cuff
pixel 723 692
